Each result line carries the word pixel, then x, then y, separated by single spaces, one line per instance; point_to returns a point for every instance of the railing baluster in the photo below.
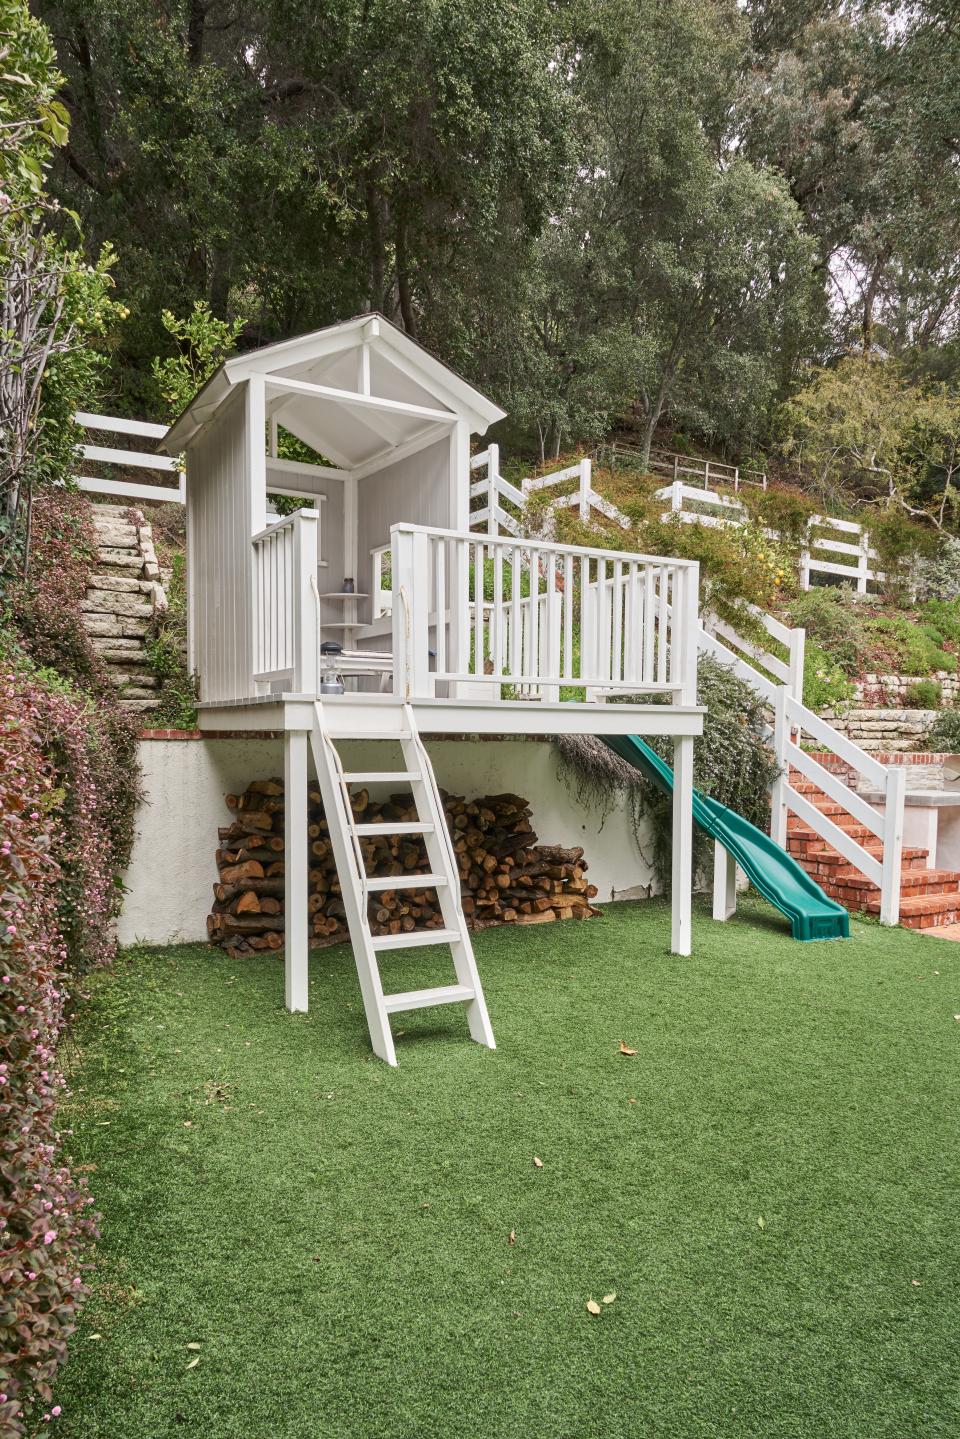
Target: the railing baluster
pixel 478 608
pixel 567 617
pixel 513 666
pixel 616 673
pixel 496 639
pixel 440 584
pixel 662 621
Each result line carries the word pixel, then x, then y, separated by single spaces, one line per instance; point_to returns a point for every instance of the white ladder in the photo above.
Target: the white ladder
pixel 356 886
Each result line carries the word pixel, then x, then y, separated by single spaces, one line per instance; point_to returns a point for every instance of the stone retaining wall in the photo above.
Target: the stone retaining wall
pixel 891 690
pixel 883 729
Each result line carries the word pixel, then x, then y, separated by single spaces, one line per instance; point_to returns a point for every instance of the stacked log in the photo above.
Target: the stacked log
pixel 506 877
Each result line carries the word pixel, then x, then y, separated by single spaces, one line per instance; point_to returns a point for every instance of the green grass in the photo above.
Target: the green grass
pixel 770 1186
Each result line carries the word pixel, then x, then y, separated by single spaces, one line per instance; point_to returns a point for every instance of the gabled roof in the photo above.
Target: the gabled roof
pixel 373 386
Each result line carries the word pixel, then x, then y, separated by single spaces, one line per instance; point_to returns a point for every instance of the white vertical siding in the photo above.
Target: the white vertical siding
pixel 220 516
pixel 414 491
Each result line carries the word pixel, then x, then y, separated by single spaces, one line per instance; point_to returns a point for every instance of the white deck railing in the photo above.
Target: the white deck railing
pixel 286 638
pixel 500 613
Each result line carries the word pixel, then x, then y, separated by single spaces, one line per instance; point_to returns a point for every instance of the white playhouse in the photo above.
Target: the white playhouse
pixel 376 612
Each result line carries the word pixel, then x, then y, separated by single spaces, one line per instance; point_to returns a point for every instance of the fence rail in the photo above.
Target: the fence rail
pixel 495 489
pixel 695 506
pixel 666 462
pixel 119 458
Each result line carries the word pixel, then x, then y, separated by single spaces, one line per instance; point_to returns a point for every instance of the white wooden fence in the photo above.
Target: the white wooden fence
pixel 122 459
pixel 492 486
pixel 679 467
pixel 695 506
pixel 286 635
pixel 556 616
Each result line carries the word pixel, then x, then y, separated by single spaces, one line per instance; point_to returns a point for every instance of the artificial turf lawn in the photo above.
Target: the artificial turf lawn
pixel 770 1186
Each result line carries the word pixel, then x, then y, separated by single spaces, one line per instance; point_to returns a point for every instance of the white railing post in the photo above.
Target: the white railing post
pixel 896 789
pixel 305 620
pixel 585 487
pixel 724 883
pixel 689 578
pixel 778 793
pixel 805 558
pixel 410 567
pixel 493 488
pixel 863 563
pixel 676 495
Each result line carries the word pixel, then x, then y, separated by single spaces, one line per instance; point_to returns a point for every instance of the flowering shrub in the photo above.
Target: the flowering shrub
pixel 45 1223
pixel 68 788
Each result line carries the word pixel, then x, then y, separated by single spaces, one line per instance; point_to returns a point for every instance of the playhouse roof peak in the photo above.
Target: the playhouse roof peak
pixel 349 379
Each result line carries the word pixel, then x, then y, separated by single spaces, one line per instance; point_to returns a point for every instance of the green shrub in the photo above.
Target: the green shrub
pixel 825 683
pixel 944 616
pixel 166 644
pixel 937 576
pixel 832 620
pixel 924 695
pixel 785 511
pixel 901 645
pixel 945 734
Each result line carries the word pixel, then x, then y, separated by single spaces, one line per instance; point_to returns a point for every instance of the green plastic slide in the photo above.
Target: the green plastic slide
pixel 770 869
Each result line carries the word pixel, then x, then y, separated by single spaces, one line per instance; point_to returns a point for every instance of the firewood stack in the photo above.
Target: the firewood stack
pixel 505 876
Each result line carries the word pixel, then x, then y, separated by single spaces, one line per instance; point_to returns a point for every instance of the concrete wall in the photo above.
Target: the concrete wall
pixel 172 866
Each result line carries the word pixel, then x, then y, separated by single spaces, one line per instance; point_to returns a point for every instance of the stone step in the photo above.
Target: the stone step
pixel 121 584
pixel 100 623
pixel 138 692
pixel 116 603
pixel 111 557
pixel 138 703
pixel 141 679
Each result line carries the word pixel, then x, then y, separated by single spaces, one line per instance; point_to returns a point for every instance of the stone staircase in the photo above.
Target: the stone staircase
pixel 124 593
pixel 928 897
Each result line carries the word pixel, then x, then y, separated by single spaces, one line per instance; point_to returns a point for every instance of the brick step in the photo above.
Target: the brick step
pixel 857 893
pixel 924 911
pixel 820 853
pixel 803 833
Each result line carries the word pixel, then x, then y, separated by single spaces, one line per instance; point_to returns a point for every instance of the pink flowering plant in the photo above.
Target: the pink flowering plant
pixel 68 788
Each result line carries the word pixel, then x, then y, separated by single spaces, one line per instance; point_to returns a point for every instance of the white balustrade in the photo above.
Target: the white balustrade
pixel 534 618
pixel 286 633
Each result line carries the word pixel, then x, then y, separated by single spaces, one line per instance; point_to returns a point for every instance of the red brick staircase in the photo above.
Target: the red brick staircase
pixel 928 897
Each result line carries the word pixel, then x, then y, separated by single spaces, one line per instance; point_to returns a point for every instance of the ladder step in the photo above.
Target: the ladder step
pixel 334 733
pixel 405 881
pixel 416 937
pixel 424 998
pixel 395 827
pixel 380 776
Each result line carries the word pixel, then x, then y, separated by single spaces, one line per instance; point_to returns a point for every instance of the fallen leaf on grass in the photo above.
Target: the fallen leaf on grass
pixel 537 1161
pixel 194 1346
pixel 625 1050
pixel 761 1222
pixel 916 1283
pixel 513 1237
pixel 593 1307
pixel 609 1298
pixel 194 1362
pixel 94 1336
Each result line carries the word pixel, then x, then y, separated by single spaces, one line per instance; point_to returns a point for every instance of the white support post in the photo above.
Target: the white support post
pixel 586 470
pixel 411 614
pixel 778 795
pixel 296 949
pixel 306 623
pixel 863 565
pixel 681 937
pixel 676 496
pixel 892 844
pixel 724 883
pixel 493 489
pixel 706 475
pixel 805 559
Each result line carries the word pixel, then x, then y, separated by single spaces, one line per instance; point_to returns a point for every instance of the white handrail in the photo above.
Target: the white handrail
pixel 135 459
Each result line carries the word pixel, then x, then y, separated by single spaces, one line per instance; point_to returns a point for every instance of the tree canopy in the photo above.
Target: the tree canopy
pixel 663 212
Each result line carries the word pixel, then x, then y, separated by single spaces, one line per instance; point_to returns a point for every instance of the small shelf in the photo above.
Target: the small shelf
pixel 343 595
pixel 343 625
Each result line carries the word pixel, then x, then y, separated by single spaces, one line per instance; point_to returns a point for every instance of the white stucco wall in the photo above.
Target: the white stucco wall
pixel 172 869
